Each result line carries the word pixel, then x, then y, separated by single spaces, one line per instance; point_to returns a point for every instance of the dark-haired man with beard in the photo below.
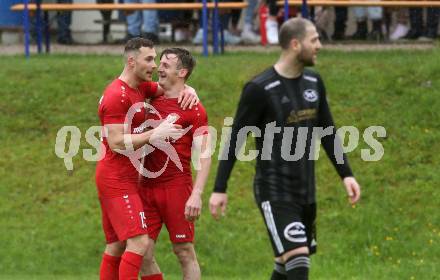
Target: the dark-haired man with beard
pixel 287 105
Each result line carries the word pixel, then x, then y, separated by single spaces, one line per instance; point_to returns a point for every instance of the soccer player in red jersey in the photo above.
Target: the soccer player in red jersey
pixel 122 114
pixel 169 194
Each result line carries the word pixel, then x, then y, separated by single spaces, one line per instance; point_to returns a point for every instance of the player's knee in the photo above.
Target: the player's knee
pixel 143 241
pixel 115 248
pixel 138 244
pixel 184 251
pixel 298 251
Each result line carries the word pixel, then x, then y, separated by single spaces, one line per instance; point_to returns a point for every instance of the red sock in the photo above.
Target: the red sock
pixel 152 277
pixel 109 268
pixel 130 265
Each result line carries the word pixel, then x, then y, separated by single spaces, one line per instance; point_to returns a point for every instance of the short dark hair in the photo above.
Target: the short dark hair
pixel 136 43
pixel 184 59
pixel 294 28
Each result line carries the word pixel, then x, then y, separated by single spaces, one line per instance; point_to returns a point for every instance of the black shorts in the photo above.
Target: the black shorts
pixel 290 225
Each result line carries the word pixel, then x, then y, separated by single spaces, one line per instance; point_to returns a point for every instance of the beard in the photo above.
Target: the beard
pixel 306 58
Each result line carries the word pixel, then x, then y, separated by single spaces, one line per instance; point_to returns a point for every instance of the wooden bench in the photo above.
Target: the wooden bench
pixel 354 3
pixel 128 7
pixel 365 3
pixel 46 7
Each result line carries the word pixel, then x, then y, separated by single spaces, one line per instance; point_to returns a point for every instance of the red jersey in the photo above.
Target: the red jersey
pixel 115 174
pixel 155 161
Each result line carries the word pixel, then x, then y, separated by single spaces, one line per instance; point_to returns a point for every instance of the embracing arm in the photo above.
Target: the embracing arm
pixel 187 98
pixel 120 140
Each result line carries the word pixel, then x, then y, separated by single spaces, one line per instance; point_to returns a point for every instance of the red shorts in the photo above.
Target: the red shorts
pixel 166 205
pixel 122 217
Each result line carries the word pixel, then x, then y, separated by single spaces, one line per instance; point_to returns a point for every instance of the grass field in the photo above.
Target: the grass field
pixel 50 220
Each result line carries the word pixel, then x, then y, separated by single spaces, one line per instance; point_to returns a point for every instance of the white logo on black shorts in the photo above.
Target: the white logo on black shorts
pixel 310 95
pixel 295 232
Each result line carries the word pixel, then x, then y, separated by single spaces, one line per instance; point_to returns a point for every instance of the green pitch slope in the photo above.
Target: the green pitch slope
pixel 50 219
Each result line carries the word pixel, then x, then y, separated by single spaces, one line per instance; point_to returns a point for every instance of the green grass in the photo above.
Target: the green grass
pixel 50 220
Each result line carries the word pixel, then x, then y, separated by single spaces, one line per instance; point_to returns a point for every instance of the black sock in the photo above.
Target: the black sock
pixel 297 267
pixel 279 273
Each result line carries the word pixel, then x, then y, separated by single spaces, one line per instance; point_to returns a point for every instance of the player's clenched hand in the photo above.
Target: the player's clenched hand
pixel 193 207
pixel 166 130
pixel 188 97
pixel 218 200
pixel 353 189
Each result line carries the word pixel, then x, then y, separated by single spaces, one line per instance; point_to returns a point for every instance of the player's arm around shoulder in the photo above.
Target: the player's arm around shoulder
pixel 187 97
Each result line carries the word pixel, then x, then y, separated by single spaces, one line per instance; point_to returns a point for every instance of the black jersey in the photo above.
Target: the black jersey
pixel 295 106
